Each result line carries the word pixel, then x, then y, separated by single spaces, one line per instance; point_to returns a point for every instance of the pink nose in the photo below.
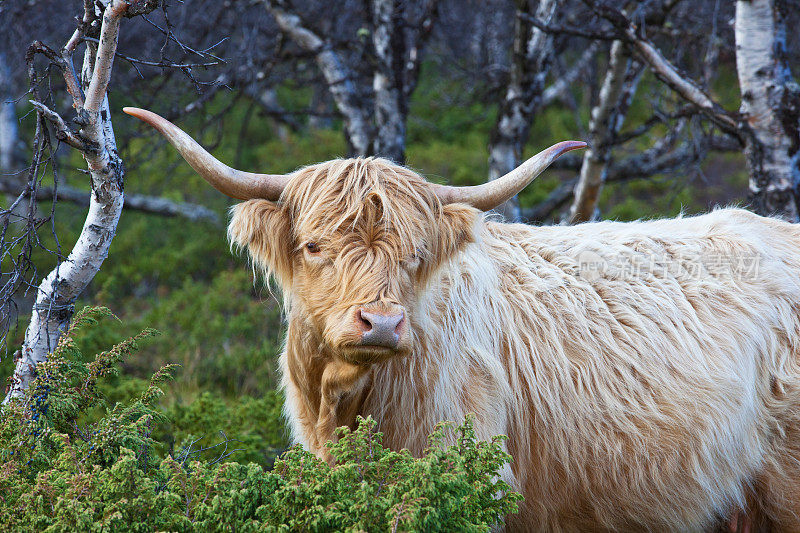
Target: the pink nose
pixel 380 329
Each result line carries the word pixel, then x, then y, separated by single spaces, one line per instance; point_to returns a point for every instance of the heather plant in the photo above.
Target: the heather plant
pixel 73 462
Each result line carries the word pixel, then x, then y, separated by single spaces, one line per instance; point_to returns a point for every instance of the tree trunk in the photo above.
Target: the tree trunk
pixel 771 105
pixel 390 104
pixel 616 94
pixel 532 58
pixel 341 79
pixel 58 291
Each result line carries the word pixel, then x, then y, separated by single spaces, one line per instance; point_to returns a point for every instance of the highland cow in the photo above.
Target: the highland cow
pixel 646 373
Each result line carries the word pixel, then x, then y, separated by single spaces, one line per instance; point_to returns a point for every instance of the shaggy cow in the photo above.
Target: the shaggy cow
pixel 645 373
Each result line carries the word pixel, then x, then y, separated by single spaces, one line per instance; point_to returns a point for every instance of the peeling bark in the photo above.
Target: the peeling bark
pixel 532 58
pixel 771 107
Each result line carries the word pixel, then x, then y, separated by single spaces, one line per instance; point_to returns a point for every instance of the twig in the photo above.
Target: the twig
pixel 63 132
pixel 565 30
pixel 664 70
pixel 162 64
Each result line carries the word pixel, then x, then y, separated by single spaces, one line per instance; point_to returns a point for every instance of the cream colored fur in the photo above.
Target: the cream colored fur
pixel 656 389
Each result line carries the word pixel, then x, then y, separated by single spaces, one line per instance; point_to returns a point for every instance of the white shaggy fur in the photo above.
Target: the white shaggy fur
pixel 646 373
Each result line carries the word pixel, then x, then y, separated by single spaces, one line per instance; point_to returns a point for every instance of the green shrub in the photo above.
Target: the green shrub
pixel 255 425
pixel 67 468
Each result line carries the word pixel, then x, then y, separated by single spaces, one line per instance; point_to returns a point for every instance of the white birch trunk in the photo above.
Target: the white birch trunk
pixel 58 291
pixel 390 116
pixel 340 78
pixel 533 51
pixel 606 120
pixel 771 105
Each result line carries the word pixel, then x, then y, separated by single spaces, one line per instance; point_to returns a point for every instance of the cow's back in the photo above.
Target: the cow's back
pixel 652 350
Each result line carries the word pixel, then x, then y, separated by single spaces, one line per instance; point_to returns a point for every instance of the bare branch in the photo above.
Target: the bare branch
pixel 565 81
pixel 557 29
pixel 63 132
pixel 161 64
pixel 134 202
pixel 662 158
pixel 544 209
pixel 664 70
pixel 109 33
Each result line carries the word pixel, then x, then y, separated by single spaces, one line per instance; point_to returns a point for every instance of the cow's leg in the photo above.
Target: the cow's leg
pixel 337 379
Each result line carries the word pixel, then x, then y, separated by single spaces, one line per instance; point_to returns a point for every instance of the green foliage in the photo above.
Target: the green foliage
pixel 255 424
pixel 73 462
pixel 220 332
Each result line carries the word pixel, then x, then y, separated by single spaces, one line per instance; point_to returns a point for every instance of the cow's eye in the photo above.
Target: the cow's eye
pixel 312 247
pixel 414 257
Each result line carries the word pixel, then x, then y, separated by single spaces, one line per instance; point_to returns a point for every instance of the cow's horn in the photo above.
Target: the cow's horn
pixel 493 193
pixel 227 180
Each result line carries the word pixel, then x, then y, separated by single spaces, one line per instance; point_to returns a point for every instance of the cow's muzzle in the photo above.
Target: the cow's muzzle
pixel 380 329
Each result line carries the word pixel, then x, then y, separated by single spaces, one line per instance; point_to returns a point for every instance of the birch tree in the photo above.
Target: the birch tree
pixel 95 141
pixel 531 59
pixel 374 107
pixel 618 89
pixel 770 105
pixel 768 123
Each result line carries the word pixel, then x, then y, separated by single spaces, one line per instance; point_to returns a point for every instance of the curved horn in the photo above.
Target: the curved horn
pixel 491 194
pixel 227 180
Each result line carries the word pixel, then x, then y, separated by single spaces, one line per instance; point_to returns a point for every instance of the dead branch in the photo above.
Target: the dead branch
pixel 155 205
pixel 565 81
pixel 664 70
pixel 63 132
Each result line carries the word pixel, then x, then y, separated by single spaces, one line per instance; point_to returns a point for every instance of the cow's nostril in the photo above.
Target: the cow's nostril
pixel 363 321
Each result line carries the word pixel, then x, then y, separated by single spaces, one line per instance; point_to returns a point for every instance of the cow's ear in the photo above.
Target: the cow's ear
pixel 265 230
pixel 457 228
